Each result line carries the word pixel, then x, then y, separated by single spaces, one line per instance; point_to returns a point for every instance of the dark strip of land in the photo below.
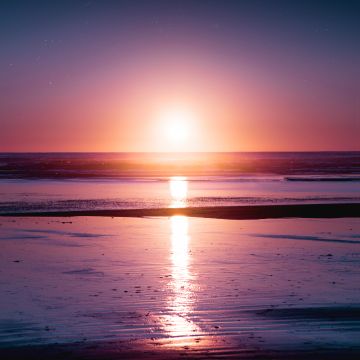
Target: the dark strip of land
pixel 116 351
pixel 225 212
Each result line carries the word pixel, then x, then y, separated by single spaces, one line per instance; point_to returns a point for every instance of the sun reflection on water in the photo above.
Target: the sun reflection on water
pixel 181 300
pixel 178 191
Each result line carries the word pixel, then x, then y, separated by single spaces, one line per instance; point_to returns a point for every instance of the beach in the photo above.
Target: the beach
pixel 179 180
pixel 249 256
pixel 175 286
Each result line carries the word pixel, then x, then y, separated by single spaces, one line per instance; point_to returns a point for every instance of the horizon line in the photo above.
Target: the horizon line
pixel 180 152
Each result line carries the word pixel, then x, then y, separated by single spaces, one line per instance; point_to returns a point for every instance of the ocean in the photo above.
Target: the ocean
pixel 179 282
pixel 92 181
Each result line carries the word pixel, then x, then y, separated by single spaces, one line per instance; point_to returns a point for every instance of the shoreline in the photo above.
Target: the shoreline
pixel 252 212
pixel 113 350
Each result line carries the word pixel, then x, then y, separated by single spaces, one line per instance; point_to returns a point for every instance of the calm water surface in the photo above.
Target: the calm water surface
pixel 46 182
pixel 180 281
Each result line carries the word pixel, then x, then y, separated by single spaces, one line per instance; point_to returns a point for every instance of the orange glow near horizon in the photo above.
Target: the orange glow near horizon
pixel 202 108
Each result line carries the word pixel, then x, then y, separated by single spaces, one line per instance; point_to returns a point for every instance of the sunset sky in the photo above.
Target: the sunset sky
pixel 179 75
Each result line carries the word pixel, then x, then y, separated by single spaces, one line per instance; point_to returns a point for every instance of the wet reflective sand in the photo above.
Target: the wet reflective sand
pixel 174 286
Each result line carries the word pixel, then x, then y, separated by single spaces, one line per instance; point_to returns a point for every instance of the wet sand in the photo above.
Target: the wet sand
pixel 223 212
pixel 179 287
pixel 138 350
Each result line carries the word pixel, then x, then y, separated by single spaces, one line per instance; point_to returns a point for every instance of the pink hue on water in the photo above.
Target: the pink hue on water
pixel 179 281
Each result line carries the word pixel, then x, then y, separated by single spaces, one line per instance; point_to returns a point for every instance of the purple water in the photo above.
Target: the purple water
pixel 74 181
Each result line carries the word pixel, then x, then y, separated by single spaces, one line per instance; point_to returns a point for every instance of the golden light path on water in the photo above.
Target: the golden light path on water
pixel 181 299
pixel 178 191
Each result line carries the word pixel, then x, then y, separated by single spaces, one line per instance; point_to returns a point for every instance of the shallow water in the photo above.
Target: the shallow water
pixel 51 195
pixel 181 282
pixel 86 181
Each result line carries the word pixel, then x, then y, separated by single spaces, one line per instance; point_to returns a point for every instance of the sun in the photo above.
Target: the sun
pixel 177 125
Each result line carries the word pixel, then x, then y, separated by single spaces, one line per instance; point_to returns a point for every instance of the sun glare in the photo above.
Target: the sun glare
pixel 178 323
pixel 177 124
pixel 178 191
